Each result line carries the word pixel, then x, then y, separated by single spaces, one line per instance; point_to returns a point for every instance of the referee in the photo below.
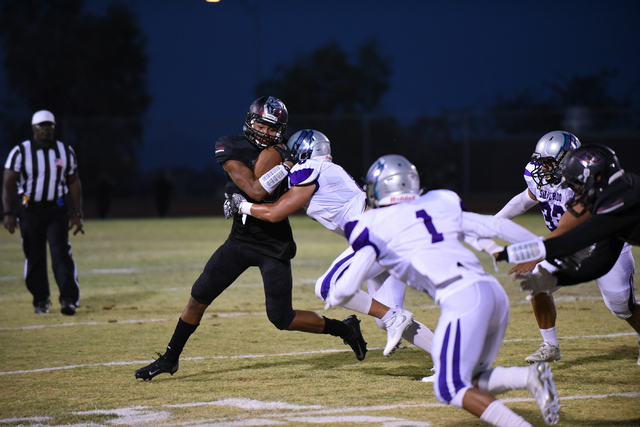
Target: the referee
pixel 45 174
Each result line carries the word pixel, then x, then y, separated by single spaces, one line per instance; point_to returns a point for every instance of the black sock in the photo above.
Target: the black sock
pixel 179 339
pixel 335 327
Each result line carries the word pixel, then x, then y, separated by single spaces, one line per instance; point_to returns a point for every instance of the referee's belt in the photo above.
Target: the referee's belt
pixel 43 204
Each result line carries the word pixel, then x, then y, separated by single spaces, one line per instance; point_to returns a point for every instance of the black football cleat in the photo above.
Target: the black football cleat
pixel 160 366
pixel 67 307
pixel 355 338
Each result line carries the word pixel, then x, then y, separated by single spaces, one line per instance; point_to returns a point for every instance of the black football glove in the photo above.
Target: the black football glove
pixel 285 153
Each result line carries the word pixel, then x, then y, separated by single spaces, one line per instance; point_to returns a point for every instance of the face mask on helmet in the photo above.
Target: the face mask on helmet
pixel 549 155
pixel 391 179
pixel 309 144
pixel 271 112
pixel 588 171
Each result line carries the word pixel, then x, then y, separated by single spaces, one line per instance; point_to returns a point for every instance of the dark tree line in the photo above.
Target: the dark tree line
pixel 88 70
pixel 91 71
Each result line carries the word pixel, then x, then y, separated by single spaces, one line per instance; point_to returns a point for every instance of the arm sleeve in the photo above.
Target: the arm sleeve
pixel 518 205
pixel 595 229
pixel 485 226
pixel 597 264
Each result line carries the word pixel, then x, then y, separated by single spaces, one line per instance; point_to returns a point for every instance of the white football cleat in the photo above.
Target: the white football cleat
pixel 431 378
pixel 401 320
pixel 546 353
pixel 540 385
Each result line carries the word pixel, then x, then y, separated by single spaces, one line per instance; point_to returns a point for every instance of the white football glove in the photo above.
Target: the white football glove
pixel 228 207
pixel 542 281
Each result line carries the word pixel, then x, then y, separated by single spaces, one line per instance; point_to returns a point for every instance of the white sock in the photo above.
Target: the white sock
pixel 499 379
pixel 499 415
pixel 360 302
pixel 419 335
pixel 390 316
pixel 550 336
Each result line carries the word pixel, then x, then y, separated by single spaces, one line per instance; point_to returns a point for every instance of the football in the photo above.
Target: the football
pixel 266 160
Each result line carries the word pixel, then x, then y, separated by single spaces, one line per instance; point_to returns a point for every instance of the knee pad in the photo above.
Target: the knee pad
pixel 455 400
pixel 281 319
pixel 621 304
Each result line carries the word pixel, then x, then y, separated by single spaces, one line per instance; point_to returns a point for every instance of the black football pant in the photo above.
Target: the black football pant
pixel 230 261
pixel 39 225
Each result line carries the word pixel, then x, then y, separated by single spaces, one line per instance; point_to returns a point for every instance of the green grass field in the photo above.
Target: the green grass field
pixel 239 370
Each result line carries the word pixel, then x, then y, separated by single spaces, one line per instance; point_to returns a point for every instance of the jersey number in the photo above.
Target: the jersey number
pixel 551 212
pixel 435 236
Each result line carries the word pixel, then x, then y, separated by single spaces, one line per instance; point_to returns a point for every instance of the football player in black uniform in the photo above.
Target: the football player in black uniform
pixel 612 196
pixel 252 242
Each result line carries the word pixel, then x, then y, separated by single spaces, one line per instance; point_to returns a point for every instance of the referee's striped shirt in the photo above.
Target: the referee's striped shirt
pixel 43 171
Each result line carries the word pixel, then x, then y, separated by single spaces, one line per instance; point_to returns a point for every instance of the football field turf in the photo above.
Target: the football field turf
pixel 238 370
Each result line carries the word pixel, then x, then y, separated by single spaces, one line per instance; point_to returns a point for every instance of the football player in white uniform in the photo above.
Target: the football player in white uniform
pixel 543 175
pixel 418 240
pixel 329 195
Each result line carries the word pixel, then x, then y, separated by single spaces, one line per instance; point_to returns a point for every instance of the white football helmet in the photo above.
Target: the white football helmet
pixel 391 179
pixel 549 155
pixel 309 144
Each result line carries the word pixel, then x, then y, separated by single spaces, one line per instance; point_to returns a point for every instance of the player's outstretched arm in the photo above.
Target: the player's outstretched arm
pixel 566 223
pixel 291 202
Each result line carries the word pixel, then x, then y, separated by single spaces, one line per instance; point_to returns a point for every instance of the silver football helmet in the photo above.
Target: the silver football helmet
pixel 549 155
pixel 309 144
pixel 391 179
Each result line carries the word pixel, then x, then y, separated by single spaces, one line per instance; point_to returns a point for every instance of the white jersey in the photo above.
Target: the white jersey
pixel 419 242
pixel 551 198
pixel 337 198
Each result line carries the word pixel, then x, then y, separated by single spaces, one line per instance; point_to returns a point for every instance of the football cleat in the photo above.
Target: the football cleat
pixel 431 378
pixel 160 366
pixel 400 321
pixel 540 385
pixel 42 306
pixel 546 353
pixel 67 307
pixel 355 339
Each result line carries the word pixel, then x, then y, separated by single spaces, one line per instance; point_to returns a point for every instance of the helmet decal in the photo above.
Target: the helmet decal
pixel 270 111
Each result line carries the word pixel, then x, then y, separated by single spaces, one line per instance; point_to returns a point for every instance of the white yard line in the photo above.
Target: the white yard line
pixel 287 413
pixel 256 356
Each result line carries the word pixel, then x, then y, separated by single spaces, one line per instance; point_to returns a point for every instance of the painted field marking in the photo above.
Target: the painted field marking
pixel 256 356
pixel 287 412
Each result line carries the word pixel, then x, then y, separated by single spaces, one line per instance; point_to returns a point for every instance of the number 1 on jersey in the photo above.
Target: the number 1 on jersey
pixel 435 236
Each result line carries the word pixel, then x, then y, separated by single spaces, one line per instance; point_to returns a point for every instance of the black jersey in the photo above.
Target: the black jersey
pixel 615 219
pixel 272 239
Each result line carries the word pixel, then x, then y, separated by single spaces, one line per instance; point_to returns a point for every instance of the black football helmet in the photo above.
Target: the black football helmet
pixel 549 155
pixel 270 111
pixel 588 170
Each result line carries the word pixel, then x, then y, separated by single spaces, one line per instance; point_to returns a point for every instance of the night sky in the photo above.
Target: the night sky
pixel 204 58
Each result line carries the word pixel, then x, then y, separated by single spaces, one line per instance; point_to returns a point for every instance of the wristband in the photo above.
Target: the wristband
pixel 273 178
pixel 245 208
pixel 532 250
pixel 78 214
